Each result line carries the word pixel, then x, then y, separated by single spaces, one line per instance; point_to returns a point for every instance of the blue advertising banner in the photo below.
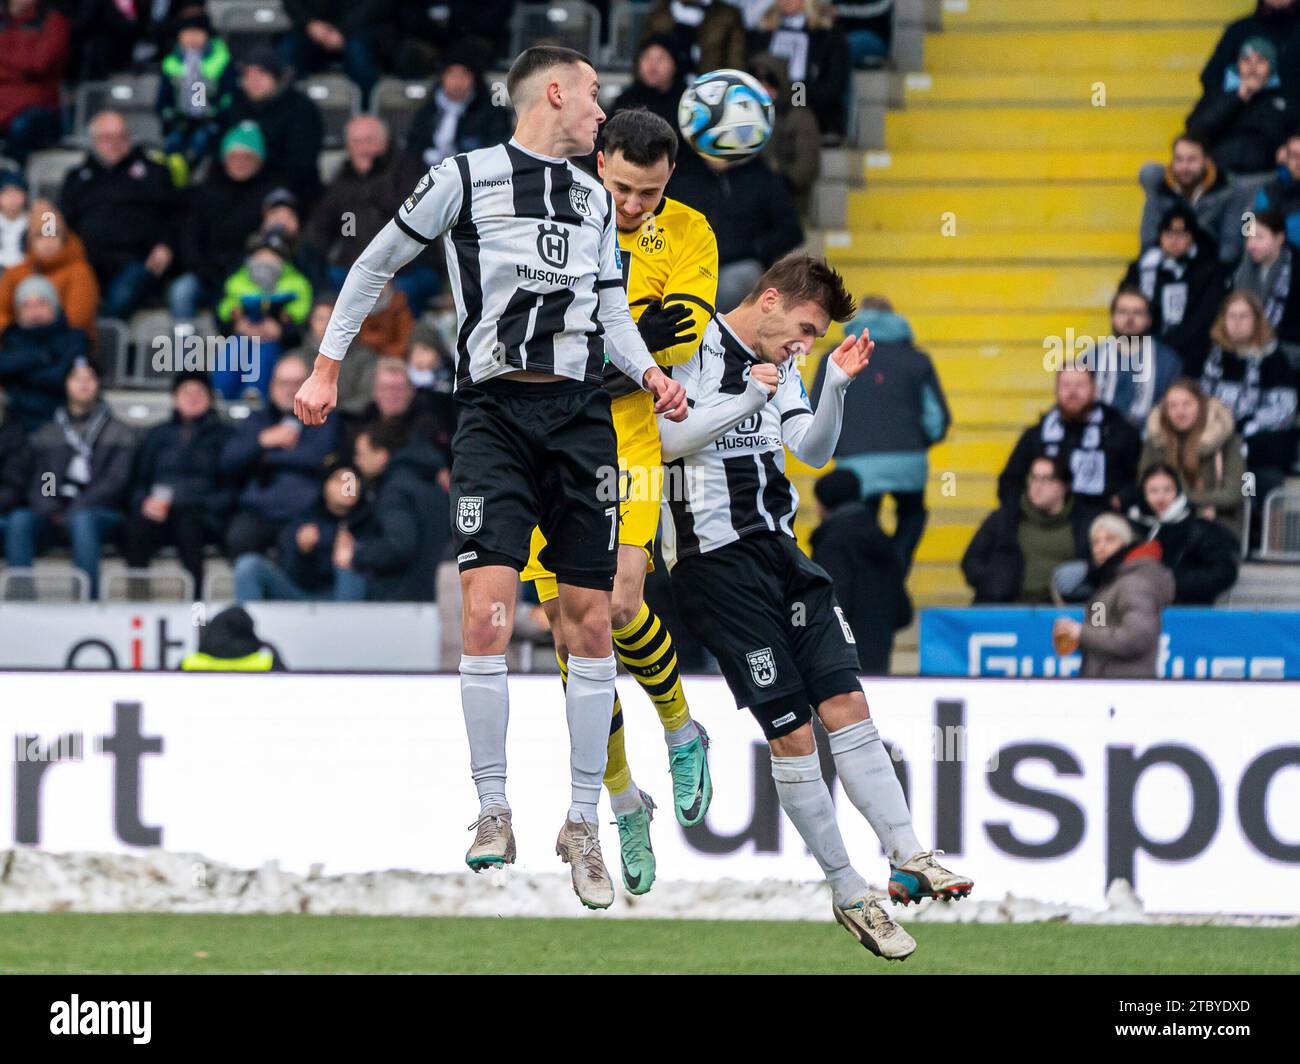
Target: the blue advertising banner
pixel 1195 644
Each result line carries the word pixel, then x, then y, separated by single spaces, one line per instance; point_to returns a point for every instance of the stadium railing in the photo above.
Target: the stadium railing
pixel 1280 534
pixel 44 584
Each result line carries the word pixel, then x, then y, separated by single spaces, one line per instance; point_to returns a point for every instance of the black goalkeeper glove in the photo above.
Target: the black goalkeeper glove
pixel 664 327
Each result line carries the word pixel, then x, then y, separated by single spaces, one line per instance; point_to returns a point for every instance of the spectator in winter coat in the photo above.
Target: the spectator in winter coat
pixel 1266 270
pixel 280 211
pixel 657 83
pixel 334 31
pixel 1184 283
pixel 224 212
pixel 1282 193
pixel 893 417
pixel 57 254
pixel 1018 547
pixel 860 559
pixel 458 116
pixel 1248 374
pixel 85 455
pixel 128 214
pixel 428 35
pixel 795 150
pixel 179 495
pixel 1120 633
pixel 426 416
pixel 290 123
pixel 15 470
pixel 1278 21
pixel 804 34
pixel 708 34
pixel 196 91
pixel 869 27
pixel 230 643
pixel 36 354
pixel 1244 126
pixel 1201 554
pixel 305 569
pixel 1196 436
pixel 1192 179
pixel 13 218
pixel 1095 441
pixel 1133 373
pixel 278 463
pixel 34 52
pixel 752 215
pixel 399 545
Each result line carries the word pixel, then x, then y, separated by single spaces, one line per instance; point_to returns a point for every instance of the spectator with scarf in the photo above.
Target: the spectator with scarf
pixel 1267 269
pixel 1134 368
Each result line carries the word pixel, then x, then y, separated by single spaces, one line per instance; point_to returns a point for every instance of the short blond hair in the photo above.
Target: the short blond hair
pixel 1112 523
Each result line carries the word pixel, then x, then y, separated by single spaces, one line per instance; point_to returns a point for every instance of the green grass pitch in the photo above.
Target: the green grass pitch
pixel 167 943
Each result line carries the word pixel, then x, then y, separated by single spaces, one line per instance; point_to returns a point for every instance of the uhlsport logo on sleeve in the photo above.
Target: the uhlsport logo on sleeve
pixel 762 666
pixel 469 513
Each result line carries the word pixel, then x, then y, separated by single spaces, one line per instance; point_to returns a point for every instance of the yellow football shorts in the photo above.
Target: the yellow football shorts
pixel 641 475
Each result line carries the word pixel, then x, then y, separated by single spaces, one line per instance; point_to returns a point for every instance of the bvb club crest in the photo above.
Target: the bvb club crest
pixel 469 513
pixel 762 666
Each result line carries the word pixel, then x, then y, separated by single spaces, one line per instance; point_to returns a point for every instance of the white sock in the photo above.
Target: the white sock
pixel 485 701
pixel 808 804
pixel 628 801
pixel 681 736
pixel 589 705
pixel 865 769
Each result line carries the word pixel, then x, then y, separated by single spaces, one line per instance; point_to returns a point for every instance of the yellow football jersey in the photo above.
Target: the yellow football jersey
pixel 672 258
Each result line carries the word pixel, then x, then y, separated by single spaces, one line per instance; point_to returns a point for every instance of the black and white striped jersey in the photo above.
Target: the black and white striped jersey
pixel 533 262
pixel 735 484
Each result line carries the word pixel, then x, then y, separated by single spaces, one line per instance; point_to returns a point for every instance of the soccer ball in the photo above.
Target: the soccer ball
pixel 726 114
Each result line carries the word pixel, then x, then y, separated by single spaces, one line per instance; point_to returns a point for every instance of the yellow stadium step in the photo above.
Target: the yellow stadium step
pixel 964 14
pixel 1024 326
pixel 1022 375
pixel 961 493
pixel 973 451
pixel 1077 88
pixel 944 543
pixel 932 584
pixel 846 247
pixel 983 288
pixel 1028 166
pixel 1149 128
pixel 998 407
pixel 1111 207
pixel 1153 50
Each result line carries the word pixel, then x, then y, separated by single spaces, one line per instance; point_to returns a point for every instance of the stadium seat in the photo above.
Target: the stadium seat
pixel 566 22
pixel 395 103
pixel 330 163
pixel 113 349
pixel 164 581
pixel 47 169
pixel 146 328
pixel 47 582
pixel 218 581
pixel 1280 536
pixel 247 23
pixel 338 99
pixel 139 409
pixel 626 18
pixel 135 97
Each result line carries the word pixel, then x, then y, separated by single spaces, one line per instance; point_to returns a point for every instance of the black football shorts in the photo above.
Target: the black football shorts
pixel 536 454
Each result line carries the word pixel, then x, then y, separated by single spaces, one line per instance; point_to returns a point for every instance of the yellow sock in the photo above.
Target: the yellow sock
pixel 646 650
pixel 618 774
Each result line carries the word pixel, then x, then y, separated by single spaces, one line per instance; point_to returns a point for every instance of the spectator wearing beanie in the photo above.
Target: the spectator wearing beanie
pixel 1244 126
pixel 224 212
pixel 128 213
pixel 1019 545
pixel 229 643
pixel 178 495
pixel 36 354
pixel 196 90
pixel 13 218
pixel 89 453
pixel 1121 639
pixel 280 211
pixel 55 252
pixel 860 559
pixel 1182 279
pixel 1276 20
pixel 290 123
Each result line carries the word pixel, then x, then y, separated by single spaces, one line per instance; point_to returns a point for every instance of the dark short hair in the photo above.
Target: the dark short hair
pixel 387 434
pixel 1060 470
pixel 186 376
pixel 640 136
pixel 1129 290
pixel 1160 469
pixel 538 58
pixel 1271 219
pixel 802 279
pixel 1191 138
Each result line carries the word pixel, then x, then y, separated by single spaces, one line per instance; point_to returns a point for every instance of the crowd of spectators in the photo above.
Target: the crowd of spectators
pixel 224 222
